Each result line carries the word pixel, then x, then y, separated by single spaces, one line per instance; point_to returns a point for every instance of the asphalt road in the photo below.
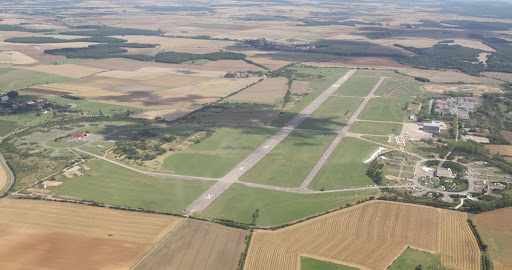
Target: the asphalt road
pixel 209 196
pixel 343 132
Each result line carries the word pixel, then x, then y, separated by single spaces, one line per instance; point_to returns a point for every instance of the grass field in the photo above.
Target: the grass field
pixel 332 114
pixel 312 264
pixel 7 127
pixel 111 184
pixel 385 109
pixel 326 77
pixel 345 168
pixel 357 86
pixel 375 128
pixel 386 85
pixel 290 161
pixel 411 258
pixel 218 154
pixel 276 207
pixel 16 79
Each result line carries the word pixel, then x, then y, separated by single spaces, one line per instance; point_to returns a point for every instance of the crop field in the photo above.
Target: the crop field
pixel 111 184
pixel 217 155
pixel 33 232
pixel 345 168
pixel 197 245
pixel 4 178
pixel 16 79
pixel 312 264
pixel 496 230
pixel 385 109
pixel 290 161
pixel 368 236
pixel 269 90
pixel 375 128
pixel 277 207
pixel 358 86
pixel 507 135
pixel 7 127
pixel 13 57
pixel 332 114
pixel 506 77
pixel 65 70
pixel 504 150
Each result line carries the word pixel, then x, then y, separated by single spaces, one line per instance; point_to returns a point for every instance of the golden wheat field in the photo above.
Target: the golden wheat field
pixel 368 236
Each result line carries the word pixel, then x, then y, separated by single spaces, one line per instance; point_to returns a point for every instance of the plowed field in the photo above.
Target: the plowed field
pixel 197 245
pixel 368 236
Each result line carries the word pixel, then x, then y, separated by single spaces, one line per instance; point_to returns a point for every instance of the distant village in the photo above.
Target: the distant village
pixel 10 105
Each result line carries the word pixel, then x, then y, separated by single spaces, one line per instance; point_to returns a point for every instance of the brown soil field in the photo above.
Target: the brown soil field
pixel 53 235
pixel 368 236
pixel 507 134
pixel 27 248
pixel 197 245
pixel 496 230
pixel 267 91
pixel 174 81
pixel 66 70
pixel 300 87
pixel 505 150
pixel 507 77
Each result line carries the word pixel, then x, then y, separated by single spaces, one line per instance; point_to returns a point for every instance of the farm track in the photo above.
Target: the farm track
pixel 368 236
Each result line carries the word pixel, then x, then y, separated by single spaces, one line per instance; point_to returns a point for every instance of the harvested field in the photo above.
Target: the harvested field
pixel 197 245
pixel 507 77
pixel 181 44
pixel 496 230
pixel 32 232
pixel 44 91
pixel 87 221
pixel 445 76
pixel 148 73
pixel 66 70
pixel 13 57
pixel 368 236
pixel 507 134
pixel 504 150
pixel 4 178
pixel 269 90
pixel 300 87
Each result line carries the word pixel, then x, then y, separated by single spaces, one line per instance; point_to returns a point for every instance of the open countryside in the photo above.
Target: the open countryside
pixel 255 135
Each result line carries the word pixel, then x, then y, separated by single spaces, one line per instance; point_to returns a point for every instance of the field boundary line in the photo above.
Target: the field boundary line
pixel 158 244
pixel 326 259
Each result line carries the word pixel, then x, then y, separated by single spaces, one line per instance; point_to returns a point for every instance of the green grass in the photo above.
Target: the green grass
pixel 7 127
pixel 290 161
pixel 312 264
pixel 357 86
pixel 16 79
pixel 411 258
pixel 386 85
pixel 385 109
pixel 332 115
pixel 197 62
pixel 111 184
pixel 217 155
pixel 325 78
pixel 375 128
pixel 345 168
pixel 377 73
pixel 276 207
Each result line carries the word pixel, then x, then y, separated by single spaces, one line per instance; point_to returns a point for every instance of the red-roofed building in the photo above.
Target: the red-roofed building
pixel 77 136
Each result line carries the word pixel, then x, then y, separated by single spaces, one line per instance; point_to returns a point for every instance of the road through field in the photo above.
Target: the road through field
pixel 209 196
pixel 6 176
pixel 325 157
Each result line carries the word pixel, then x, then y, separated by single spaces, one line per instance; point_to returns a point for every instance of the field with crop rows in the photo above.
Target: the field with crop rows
pixel 368 236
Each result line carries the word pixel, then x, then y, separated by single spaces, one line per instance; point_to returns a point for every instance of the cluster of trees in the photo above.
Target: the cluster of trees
pixel 179 57
pixel 375 171
pixel 444 56
pixel 103 51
